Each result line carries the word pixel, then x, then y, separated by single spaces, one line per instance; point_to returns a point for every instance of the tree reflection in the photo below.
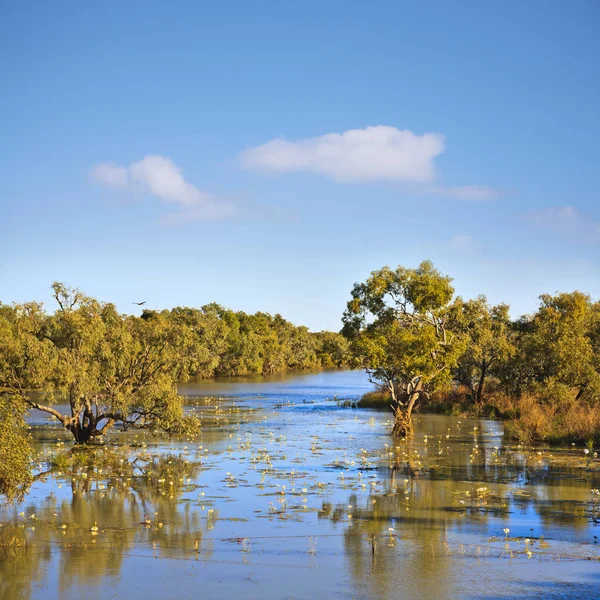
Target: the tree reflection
pixel 120 502
pixel 423 515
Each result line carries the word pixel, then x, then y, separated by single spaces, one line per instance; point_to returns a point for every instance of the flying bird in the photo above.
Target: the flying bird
pixel 139 303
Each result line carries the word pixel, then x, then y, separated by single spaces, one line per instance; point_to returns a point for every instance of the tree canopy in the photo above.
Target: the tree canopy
pixel 91 367
pixel 488 342
pixel 15 449
pixel 410 333
pixel 558 347
pixel 399 324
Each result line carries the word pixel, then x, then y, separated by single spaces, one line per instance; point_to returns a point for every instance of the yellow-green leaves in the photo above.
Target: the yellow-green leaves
pixel 488 342
pixel 559 344
pixel 397 322
pixel 15 451
pixel 110 368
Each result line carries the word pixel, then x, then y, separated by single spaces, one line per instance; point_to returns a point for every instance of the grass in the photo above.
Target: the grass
pixel 550 416
pixel 375 399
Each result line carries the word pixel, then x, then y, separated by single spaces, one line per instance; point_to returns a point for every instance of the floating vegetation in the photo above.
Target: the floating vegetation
pixel 288 485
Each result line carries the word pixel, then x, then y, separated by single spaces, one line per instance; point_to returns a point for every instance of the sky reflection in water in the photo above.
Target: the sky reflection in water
pixel 288 495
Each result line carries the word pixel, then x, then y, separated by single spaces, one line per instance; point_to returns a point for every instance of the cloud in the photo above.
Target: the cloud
pixel 371 154
pixel 160 177
pixel 379 153
pixel 568 222
pixel 110 175
pixel 464 243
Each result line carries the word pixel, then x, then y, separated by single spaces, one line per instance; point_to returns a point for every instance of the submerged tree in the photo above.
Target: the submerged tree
pixel 107 368
pixel 111 368
pixel 399 326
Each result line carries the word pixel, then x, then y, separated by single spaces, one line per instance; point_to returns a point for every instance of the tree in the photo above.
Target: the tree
pixel 261 344
pixel 106 367
pixel 399 326
pixel 332 349
pixel 488 342
pixel 559 346
pixel 15 449
pixel 208 340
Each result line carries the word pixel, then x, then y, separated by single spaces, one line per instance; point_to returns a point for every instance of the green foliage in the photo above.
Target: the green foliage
pixel 558 346
pixel 554 374
pixel 398 323
pixel 15 449
pixel 229 343
pixel 111 368
pixel 333 349
pixel 489 343
pixel 263 344
pixel 409 334
pixel 207 341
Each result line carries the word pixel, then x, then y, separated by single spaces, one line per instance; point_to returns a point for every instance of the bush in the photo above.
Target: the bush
pixel 551 413
pixel 554 415
pixel 375 399
pixel 15 450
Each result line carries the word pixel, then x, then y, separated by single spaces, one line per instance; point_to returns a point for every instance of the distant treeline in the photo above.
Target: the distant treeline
pixel 115 369
pixel 232 343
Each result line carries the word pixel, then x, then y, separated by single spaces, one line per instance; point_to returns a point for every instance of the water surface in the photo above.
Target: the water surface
pixel 286 494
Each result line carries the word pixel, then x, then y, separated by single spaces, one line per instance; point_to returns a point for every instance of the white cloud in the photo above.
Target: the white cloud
pixel 159 176
pixel 379 153
pixel 371 154
pixel 464 243
pixel 569 222
pixel 110 175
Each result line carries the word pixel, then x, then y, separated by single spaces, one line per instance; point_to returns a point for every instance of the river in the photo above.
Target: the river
pixel 288 494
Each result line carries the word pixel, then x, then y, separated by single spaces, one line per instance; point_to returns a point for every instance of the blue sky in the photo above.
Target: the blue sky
pixel 267 155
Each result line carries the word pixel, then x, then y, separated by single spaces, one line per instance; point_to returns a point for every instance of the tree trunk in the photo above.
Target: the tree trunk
pixel 403 423
pixel 403 426
pixel 85 428
pixel 392 389
pixel 479 392
pixel 81 433
pixel 581 391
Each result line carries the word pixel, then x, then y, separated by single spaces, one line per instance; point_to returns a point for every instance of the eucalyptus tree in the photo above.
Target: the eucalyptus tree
pixel 23 363
pixel 399 324
pixel 207 340
pixel 107 368
pixel 332 349
pixel 488 341
pixel 15 449
pixel 559 348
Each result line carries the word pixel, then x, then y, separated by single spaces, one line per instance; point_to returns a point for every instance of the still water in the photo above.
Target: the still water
pixel 287 494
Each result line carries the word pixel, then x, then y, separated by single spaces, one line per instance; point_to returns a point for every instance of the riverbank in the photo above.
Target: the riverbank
pixel 527 419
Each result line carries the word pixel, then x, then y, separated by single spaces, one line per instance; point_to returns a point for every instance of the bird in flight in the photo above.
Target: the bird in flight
pixel 139 303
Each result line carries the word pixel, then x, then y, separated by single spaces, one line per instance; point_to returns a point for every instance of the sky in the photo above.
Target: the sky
pixel 267 155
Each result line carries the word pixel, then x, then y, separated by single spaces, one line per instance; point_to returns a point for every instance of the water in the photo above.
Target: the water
pixel 289 495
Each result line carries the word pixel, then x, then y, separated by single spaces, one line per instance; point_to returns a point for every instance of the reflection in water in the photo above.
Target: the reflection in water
pixel 287 495
pixel 100 504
